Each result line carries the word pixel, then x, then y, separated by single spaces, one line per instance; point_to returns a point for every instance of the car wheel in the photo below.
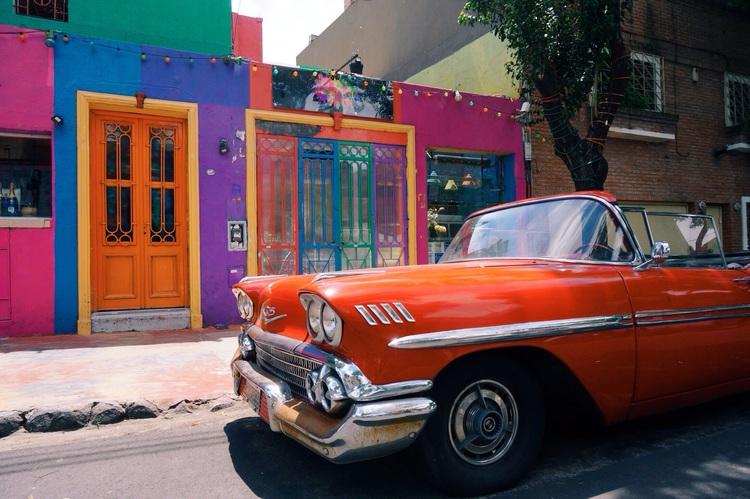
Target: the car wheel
pixel 487 429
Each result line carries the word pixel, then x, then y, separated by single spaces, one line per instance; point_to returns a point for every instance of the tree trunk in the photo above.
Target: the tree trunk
pixel 584 156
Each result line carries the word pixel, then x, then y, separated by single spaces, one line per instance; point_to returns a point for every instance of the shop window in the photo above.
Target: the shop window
pixel 57 10
pixel 25 176
pixel 736 99
pixel 457 185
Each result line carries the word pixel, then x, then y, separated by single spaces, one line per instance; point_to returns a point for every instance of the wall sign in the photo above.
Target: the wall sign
pixel 321 91
pixel 237 235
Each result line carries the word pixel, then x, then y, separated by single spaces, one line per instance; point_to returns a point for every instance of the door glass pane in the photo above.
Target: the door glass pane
pixel 111 157
pixel 125 210
pixel 169 210
pixel 389 165
pixel 155 210
pixel 155 159
pixel 125 157
pixel 169 160
pixel 111 201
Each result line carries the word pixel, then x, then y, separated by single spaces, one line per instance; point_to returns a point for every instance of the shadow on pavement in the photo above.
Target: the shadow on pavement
pixel 274 466
pixel 702 451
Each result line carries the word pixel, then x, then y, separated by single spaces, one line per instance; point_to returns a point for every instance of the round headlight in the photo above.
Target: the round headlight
pixel 314 318
pixel 244 305
pixel 331 325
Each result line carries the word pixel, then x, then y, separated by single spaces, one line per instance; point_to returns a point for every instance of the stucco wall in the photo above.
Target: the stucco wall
pixel 222 93
pixel 477 67
pixel 441 122
pixel 197 25
pixel 26 107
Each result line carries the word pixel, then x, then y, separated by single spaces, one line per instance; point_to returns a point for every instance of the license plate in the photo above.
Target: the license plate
pixel 252 394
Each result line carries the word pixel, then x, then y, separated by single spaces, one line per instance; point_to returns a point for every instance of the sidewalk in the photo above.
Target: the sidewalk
pixel 162 367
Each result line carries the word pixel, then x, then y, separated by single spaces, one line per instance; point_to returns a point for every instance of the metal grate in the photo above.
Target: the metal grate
pixel 736 99
pixel 48 9
pixel 645 90
pixel 288 366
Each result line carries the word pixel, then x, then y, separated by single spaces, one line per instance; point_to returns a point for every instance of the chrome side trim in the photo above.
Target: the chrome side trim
pixel 511 332
pixel 358 387
pixel 366 315
pixel 343 273
pixel 658 317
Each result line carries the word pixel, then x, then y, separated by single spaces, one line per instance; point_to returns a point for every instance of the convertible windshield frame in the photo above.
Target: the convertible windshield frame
pixel 612 208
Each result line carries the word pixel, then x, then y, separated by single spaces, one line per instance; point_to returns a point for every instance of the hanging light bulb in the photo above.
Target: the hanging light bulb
pixel 49 39
pixel 143 56
pixel 22 36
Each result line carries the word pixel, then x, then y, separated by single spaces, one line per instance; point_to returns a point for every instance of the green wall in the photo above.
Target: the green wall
pixel 194 25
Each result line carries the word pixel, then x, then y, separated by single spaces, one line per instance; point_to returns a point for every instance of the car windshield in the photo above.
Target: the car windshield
pixel 572 229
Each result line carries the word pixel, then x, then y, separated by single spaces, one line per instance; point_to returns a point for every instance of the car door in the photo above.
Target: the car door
pixel 692 315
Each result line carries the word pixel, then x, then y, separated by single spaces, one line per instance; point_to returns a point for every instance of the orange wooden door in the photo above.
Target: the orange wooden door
pixel 138 212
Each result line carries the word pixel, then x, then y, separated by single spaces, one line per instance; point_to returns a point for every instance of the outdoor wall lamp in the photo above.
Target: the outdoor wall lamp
pixel 223 146
pixel 57 120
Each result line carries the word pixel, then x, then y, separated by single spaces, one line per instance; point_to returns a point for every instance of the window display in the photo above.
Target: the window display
pixel 25 176
pixel 457 185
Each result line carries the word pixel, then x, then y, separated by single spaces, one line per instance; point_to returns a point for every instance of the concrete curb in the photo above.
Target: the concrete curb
pixel 69 418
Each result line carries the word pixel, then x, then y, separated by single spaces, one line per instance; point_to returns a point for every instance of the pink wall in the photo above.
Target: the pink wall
pixel 26 254
pixel 441 122
pixel 247 37
pixel 31 283
pixel 26 77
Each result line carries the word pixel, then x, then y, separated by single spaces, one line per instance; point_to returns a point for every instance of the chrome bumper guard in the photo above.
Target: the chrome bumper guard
pixel 368 430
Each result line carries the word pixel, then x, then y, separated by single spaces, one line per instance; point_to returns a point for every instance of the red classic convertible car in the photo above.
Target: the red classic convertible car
pixel 535 306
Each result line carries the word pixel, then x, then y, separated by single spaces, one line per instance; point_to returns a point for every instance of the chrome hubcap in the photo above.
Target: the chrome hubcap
pixel 483 422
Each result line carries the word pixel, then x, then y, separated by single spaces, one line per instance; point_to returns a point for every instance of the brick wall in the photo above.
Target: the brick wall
pixel 687 34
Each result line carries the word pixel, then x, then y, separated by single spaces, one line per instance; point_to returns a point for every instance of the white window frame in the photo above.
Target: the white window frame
pixel 658 64
pixel 732 78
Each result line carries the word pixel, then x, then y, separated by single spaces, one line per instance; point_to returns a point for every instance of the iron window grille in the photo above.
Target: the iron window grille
pixel 56 10
pixel 645 89
pixel 736 99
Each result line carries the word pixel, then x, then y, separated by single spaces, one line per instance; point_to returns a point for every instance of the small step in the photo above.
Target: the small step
pixel 152 319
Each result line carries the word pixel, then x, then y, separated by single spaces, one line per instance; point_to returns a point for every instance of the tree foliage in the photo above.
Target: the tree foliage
pixel 559 48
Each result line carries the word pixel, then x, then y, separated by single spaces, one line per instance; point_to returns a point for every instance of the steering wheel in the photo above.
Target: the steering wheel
pixel 604 251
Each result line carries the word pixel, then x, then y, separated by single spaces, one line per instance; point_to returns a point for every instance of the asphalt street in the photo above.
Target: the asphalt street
pixel 698 452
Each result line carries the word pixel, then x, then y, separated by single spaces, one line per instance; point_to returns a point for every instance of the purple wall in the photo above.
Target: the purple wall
pixel 222 198
pixel 441 122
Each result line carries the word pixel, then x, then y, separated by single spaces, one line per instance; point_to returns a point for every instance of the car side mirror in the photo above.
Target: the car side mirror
pixel 660 252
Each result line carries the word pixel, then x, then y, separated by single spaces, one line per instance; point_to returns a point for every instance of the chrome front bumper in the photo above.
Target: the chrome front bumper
pixel 369 429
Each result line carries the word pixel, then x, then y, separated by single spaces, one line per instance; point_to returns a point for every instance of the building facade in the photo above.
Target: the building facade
pixel 679 144
pixel 154 167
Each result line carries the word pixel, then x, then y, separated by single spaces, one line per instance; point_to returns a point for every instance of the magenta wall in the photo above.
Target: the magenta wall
pixel 441 122
pixel 26 80
pixel 26 77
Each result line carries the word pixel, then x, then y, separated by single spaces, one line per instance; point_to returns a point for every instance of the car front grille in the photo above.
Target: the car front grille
pixel 288 366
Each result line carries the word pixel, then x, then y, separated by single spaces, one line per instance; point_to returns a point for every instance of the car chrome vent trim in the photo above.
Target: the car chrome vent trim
pixel 395 312
pixel 391 313
pixel 378 313
pixel 511 332
pixel 366 315
pixel 401 308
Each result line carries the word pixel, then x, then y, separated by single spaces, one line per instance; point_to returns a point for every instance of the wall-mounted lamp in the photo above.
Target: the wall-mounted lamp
pixel 223 146
pixel 57 120
pixel 356 66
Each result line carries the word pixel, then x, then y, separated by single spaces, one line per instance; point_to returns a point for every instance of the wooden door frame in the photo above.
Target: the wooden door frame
pixel 251 115
pixel 93 101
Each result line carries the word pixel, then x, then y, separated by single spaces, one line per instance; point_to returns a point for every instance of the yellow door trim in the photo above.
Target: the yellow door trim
pixel 89 101
pixel 323 120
